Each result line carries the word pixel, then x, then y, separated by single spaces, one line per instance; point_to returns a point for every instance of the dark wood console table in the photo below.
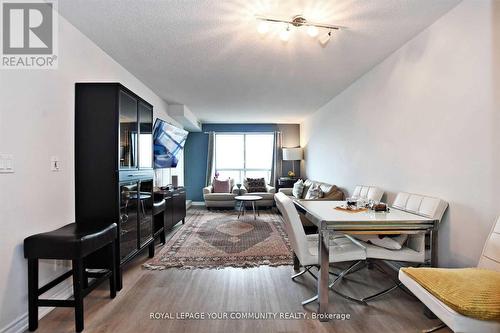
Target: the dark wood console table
pixel 175 209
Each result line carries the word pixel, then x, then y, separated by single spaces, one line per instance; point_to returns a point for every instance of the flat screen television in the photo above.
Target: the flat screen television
pixel 168 141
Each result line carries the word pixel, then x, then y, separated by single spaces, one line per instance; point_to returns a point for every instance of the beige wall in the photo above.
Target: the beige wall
pixel 36 122
pixel 424 121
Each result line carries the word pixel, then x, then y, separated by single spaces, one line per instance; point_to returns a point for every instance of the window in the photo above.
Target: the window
pixel 239 156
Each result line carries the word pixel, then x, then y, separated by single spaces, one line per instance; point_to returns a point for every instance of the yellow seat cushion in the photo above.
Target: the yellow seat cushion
pixel 472 292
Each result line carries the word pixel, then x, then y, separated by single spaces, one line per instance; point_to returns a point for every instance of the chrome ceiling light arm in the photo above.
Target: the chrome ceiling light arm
pixel 299 21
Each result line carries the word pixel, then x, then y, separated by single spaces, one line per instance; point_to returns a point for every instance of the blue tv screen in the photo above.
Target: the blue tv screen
pixel 168 141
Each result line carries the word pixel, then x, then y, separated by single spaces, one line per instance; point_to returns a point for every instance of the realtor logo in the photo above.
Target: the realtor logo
pixel 29 34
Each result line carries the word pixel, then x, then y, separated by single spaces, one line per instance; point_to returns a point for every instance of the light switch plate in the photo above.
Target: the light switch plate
pixel 6 163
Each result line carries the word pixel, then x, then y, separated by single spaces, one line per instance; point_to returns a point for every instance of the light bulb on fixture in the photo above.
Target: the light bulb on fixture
pixel 263 28
pixel 312 31
pixel 285 34
pixel 323 40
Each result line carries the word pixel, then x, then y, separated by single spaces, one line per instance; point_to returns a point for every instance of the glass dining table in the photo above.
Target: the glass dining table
pixel 329 220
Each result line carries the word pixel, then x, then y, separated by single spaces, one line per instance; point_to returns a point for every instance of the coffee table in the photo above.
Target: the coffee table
pixel 244 199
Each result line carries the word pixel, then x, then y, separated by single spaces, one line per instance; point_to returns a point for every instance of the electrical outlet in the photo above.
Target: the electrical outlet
pixel 55 164
pixel 6 163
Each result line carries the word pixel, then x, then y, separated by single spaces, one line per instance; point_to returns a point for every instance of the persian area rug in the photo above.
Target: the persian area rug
pixel 218 239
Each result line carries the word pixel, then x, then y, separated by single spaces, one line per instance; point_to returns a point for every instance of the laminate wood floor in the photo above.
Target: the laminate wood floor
pixel 238 290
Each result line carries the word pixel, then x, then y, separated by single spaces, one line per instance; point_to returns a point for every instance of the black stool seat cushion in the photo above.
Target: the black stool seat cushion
pixel 69 242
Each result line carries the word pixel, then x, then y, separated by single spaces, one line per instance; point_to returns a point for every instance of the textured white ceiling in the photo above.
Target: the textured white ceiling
pixel 207 54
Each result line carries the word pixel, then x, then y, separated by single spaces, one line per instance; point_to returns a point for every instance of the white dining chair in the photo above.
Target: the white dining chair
pixel 305 247
pixel 368 193
pixel 413 250
pixel 490 259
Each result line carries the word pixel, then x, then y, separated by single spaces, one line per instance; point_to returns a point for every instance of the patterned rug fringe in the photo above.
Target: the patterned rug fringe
pixel 226 265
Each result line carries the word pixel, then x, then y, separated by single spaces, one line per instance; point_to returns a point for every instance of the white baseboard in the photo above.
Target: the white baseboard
pixel 198 203
pixel 20 324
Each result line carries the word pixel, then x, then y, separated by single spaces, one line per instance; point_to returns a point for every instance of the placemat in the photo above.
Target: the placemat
pixel 357 210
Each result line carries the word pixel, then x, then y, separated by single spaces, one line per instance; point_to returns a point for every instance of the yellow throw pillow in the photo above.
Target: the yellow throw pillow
pixel 472 292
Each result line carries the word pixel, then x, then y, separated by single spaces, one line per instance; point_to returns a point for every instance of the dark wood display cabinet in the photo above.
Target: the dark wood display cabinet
pixel 114 166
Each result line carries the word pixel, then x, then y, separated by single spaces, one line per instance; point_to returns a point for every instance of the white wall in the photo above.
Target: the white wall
pixel 36 122
pixel 425 120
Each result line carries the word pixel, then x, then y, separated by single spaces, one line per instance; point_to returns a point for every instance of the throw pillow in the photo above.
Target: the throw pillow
pixel 314 192
pixel 221 186
pixel 387 242
pixel 298 189
pixel 255 185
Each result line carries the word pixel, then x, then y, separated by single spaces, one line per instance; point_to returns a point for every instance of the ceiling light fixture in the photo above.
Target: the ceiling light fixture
pixel 285 34
pixel 298 21
pixel 323 40
pixel 312 31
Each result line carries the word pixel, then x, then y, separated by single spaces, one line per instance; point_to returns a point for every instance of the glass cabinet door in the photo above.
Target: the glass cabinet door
pixel 128 131
pixel 146 211
pixel 145 136
pixel 128 218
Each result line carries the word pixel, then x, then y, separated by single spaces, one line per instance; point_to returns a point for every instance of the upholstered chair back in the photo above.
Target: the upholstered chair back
pixel 368 193
pixel 430 207
pixel 490 258
pixel 293 226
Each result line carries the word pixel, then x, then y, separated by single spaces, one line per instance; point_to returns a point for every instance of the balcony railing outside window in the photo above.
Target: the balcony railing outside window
pixel 244 155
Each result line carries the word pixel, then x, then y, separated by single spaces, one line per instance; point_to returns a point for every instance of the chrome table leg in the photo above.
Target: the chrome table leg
pixel 324 249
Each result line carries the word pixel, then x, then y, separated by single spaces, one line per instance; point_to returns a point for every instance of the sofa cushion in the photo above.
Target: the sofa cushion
pixel 219 197
pixel 332 192
pixel 298 189
pixel 472 292
pixel 221 186
pixel 314 192
pixel 255 185
pixel 307 184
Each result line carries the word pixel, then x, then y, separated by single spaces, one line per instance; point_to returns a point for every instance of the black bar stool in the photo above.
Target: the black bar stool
pixel 71 242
